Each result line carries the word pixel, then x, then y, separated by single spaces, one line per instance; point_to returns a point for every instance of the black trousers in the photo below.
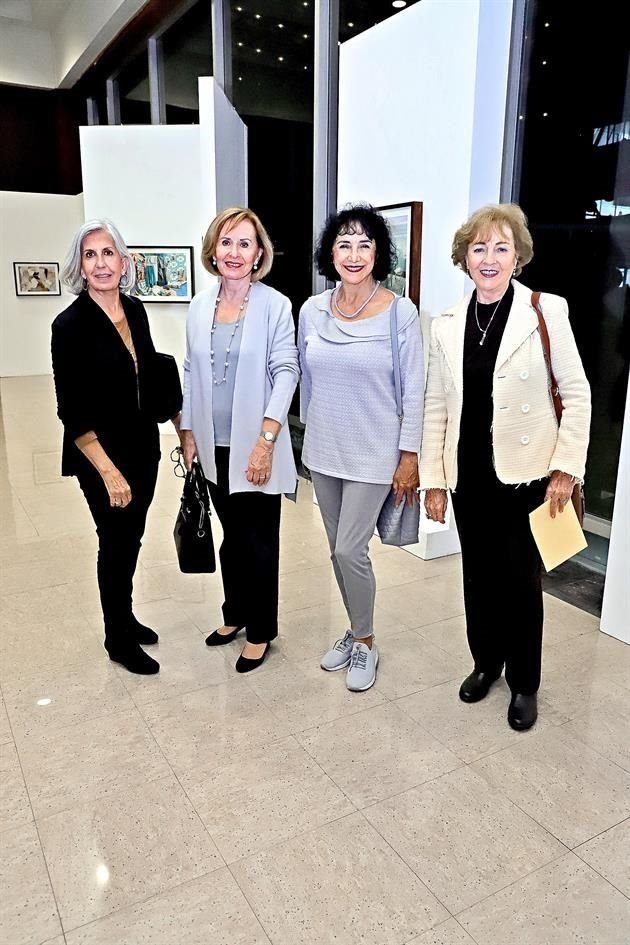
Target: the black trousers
pixel 120 534
pixel 249 554
pixel 502 579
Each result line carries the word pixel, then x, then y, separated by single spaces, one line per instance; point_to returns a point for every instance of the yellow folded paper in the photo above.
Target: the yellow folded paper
pixel 558 538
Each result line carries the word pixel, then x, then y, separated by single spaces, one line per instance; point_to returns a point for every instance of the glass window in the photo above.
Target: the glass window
pixel 574 185
pixel 133 88
pixel 186 55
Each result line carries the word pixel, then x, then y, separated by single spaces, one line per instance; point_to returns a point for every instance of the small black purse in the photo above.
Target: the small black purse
pixel 164 388
pixel 193 531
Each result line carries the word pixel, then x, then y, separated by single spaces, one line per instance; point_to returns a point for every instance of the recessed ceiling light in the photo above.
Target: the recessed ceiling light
pixel 305 35
pixel 399 4
pixel 520 117
pixel 280 58
pixel 546 24
pixel 240 9
pixel 240 78
pixel 545 114
pixel 240 44
pixel 259 50
pixel 350 25
pixel 544 62
pixel 280 26
pixel 257 15
pixel 306 68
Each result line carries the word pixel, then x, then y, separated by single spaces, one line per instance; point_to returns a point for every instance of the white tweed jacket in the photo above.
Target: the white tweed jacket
pixel 527 441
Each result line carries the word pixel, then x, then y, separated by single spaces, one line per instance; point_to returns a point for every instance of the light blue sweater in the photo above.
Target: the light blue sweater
pixel 348 399
pixel 267 374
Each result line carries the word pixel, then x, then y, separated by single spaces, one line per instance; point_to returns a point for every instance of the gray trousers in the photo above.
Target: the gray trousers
pixel 349 511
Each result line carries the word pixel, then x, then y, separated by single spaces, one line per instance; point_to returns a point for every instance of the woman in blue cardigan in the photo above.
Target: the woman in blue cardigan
pixel 240 374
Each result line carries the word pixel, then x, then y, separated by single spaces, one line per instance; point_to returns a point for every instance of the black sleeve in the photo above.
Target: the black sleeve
pixel 75 401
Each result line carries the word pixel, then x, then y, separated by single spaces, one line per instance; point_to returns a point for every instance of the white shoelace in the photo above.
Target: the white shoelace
pixel 359 657
pixel 342 644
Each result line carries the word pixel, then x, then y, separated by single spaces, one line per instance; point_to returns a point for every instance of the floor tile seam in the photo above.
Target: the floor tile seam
pixel 597 750
pixel 39 840
pixel 185 793
pixel 515 882
pixel 527 813
pixel 249 903
pixel 140 902
pixel 422 882
pixel 186 692
pixel 413 787
pixel 600 834
pixel 345 712
pixel 415 692
pixel 599 873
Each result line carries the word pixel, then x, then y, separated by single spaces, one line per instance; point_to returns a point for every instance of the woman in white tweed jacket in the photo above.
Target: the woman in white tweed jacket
pixel 492 438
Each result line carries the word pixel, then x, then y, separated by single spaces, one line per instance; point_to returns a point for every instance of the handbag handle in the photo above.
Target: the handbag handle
pixel 393 331
pixel 544 337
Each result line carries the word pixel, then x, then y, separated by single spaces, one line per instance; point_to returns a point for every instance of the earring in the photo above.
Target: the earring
pixel 214 260
pixel 255 265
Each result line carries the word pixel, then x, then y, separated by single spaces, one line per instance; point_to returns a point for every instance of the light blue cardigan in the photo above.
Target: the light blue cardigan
pixel 267 374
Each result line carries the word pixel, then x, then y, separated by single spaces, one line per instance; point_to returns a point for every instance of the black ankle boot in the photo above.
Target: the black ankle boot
pixel 144 635
pixel 477 686
pixel 132 657
pixel 523 711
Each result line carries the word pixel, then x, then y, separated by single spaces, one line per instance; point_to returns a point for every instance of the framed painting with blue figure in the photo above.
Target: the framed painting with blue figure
pixel 163 273
pixel 405 223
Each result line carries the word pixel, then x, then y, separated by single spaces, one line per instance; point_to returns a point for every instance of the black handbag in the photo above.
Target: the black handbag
pixel 164 388
pixel 193 531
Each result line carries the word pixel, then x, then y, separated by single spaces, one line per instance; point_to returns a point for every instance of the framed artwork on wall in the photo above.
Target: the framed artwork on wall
pixel 405 223
pixel 36 278
pixel 163 273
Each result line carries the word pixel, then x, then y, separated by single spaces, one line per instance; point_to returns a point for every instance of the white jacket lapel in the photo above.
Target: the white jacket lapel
pixel 522 321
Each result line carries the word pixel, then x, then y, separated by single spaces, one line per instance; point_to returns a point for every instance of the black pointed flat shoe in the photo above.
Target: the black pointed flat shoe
pixel 133 658
pixel 220 639
pixel 245 665
pixel 523 711
pixel 477 686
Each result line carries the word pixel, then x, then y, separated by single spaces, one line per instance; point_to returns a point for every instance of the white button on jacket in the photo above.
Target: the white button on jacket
pixel 524 440
pixel 525 408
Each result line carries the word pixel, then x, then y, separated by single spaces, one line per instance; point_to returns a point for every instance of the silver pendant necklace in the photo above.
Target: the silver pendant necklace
pixel 237 324
pixel 360 309
pixel 484 331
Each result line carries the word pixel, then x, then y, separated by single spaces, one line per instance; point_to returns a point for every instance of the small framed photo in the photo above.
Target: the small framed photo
pixel 163 273
pixel 35 278
pixel 405 223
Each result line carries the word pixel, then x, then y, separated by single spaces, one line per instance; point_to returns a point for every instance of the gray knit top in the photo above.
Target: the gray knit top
pixel 348 399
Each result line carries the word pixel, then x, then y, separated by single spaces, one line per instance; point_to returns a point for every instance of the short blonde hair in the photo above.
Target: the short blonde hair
pixel 494 216
pixel 232 217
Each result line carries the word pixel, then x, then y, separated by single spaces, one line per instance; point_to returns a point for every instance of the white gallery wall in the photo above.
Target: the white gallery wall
pixel 421 117
pixel 33 228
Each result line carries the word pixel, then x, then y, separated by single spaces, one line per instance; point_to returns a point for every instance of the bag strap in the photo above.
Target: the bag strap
pixel 544 337
pixel 393 331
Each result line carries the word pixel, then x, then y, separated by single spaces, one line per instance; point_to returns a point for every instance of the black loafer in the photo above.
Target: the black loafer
pixel 523 711
pixel 133 658
pixel 144 635
pixel 245 665
pixel 477 686
pixel 220 639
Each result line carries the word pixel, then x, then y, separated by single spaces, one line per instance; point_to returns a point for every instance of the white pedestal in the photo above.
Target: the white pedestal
pixel 436 540
pixel 615 619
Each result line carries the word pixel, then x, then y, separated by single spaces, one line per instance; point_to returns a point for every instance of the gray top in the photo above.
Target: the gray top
pixel 348 399
pixel 224 393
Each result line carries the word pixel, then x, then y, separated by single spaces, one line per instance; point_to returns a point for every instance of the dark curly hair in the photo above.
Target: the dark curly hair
pixel 357 218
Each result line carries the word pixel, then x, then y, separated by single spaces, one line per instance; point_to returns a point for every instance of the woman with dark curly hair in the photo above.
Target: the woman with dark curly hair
pixel 355 445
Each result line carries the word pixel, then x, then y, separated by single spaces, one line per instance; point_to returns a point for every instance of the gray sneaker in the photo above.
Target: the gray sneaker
pixel 363 663
pixel 339 656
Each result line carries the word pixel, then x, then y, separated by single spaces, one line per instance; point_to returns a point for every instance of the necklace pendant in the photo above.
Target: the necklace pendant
pixel 483 338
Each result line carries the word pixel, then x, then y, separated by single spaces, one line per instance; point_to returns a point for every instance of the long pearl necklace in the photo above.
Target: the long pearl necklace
pixel 237 323
pixel 484 331
pixel 360 309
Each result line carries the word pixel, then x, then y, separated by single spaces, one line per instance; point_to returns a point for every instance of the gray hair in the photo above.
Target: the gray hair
pixel 71 271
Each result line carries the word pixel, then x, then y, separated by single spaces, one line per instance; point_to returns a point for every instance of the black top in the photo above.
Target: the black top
pixel 474 458
pixel 97 386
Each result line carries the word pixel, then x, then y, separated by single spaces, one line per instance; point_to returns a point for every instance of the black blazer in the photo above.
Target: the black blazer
pixel 97 386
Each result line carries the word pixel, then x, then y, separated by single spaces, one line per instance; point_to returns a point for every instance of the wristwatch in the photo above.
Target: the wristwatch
pixel 268 436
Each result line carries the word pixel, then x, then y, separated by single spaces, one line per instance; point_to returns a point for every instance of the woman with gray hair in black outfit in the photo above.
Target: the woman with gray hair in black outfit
pixel 102 355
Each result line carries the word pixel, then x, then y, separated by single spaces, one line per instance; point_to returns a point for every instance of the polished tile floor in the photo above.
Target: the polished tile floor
pixel 203 808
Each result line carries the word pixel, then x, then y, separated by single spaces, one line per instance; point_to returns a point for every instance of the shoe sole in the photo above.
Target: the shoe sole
pixel 369 686
pixel 335 669
pixel 135 672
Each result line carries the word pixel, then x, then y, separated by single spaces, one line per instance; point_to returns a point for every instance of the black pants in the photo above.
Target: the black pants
pixel 502 579
pixel 120 534
pixel 249 554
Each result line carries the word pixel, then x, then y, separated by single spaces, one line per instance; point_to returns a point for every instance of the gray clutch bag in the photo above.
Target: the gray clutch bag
pixel 397 525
